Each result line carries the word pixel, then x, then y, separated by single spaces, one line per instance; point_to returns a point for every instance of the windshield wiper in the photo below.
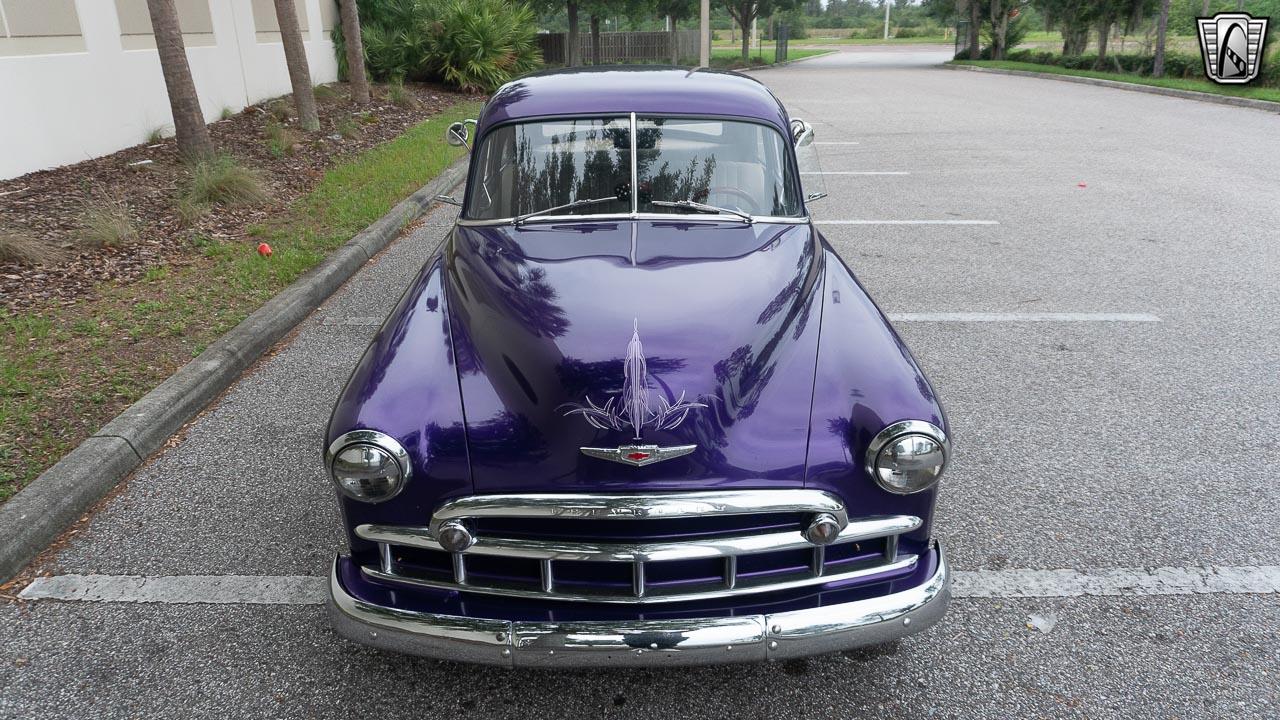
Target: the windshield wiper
pixel 567 206
pixel 702 207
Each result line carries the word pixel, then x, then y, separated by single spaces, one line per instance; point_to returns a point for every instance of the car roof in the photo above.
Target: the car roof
pixel 612 89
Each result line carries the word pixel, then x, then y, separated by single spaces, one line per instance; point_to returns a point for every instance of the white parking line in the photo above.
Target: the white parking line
pixel 837 142
pixel 304 590
pixel 906 222
pixel 180 589
pixel 971 317
pixel 854 172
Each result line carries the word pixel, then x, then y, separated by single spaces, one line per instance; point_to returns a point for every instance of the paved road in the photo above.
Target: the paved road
pixel 1110 450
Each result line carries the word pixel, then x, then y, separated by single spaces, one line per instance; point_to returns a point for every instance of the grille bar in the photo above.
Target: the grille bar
pixel 640 507
pixel 904 564
pixel 775 560
pixel 421 537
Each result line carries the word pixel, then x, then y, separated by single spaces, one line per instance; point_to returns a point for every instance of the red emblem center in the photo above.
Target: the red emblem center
pixel 638 456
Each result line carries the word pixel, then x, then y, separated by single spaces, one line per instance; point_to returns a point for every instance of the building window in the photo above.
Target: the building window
pixel 135 24
pixel 264 20
pixel 39 27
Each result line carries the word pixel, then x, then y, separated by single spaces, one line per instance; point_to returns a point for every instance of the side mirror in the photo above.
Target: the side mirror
pixel 457 134
pixel 801 132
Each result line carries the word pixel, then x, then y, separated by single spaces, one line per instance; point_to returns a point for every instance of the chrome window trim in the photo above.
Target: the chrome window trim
pixel 896 430
pixel 421 537
pixel 635 213
pixel 376 439
pixel 654 595
pixel 633 506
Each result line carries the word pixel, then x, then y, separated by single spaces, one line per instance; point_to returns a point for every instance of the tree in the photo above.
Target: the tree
pixel 295 57
pixel 744 12
pixel 571 53
pixel 355 52
pixel 676 10
pixel 188 119
pixel 1162 26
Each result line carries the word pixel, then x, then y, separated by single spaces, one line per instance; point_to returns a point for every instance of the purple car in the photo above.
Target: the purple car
pixel 636 411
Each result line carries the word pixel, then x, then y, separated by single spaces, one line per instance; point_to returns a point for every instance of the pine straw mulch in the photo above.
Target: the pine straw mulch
pixel 50 207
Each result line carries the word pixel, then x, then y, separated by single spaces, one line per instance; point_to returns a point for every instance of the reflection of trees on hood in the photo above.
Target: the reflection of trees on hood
pixel 580 378
pixel 524 292
pixel 513 438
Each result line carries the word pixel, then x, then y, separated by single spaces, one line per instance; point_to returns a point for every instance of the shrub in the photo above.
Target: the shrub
pixel 280 139
pixel 397 95
pixel 107 223
pixel 472 44
pixel 22 248
pixel 348 128
pixel 279 110
pixel 223 181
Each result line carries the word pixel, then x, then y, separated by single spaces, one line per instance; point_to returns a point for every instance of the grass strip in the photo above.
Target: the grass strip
pixel 1204 86
pixel 66 370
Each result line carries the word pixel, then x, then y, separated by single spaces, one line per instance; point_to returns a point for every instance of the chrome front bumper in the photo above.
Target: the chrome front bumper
pixel 693 641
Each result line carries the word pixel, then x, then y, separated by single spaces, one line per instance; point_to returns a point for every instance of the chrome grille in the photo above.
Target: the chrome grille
pixel 696 567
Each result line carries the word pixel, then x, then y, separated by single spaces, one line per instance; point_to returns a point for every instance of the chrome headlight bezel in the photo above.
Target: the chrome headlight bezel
pixel 892 434
pixel 379 442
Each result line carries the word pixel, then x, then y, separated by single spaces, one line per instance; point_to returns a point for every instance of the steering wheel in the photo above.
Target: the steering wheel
pixel 748 205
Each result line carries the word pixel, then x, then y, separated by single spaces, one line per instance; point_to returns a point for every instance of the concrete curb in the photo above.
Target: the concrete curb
pixel 33 518
pixel 785 63
pixel 1132 87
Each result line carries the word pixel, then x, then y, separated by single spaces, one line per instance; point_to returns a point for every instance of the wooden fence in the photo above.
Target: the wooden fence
pixel 622 47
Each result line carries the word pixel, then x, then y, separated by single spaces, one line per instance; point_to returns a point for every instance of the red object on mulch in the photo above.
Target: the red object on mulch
pixel 264 250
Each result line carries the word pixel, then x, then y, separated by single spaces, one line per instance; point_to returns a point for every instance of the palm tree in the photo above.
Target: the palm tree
pixel 355 52
pixel 295 56
pixel 188 118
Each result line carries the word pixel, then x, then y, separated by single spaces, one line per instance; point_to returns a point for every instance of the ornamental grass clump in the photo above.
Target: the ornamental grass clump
pixel 223 181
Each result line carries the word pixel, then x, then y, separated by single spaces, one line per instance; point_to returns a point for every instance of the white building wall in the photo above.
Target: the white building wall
pixel 63 107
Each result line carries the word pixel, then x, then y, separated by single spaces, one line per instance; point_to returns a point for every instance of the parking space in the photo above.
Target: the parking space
pixel 1105 345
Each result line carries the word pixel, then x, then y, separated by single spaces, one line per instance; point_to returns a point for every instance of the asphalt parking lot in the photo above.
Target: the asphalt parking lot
pixel 1091 279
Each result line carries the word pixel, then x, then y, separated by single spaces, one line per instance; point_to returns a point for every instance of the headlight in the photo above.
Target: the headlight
pixel 367 465
pixel 908 456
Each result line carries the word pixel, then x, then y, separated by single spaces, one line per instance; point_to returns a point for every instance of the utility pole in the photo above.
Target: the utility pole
pixel 704 56
pixel 887 5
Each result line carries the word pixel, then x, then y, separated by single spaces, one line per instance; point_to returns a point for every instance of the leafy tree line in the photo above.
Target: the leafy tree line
pixel 1004 23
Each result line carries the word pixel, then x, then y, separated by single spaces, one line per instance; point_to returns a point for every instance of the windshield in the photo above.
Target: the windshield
pixel 529 167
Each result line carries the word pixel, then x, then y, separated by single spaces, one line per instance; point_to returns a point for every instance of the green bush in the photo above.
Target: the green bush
pixel 1176 65
pixel 472 44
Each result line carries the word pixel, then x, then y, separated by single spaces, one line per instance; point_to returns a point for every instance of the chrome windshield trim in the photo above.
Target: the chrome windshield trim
pixel 636 506
pixel 420 537
pixel 623 217
pixel 635 169
pixel 656 595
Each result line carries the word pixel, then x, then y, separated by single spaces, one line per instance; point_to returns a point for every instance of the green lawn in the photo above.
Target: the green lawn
pixel 727 57
pixel 1204 86
pixel 845 41
pixel 66 370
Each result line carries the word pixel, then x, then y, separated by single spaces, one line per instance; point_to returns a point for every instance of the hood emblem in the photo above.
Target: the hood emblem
pixel 639 455
pixel 634 409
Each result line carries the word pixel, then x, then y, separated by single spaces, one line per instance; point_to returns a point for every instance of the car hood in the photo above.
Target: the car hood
pixel 608 334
